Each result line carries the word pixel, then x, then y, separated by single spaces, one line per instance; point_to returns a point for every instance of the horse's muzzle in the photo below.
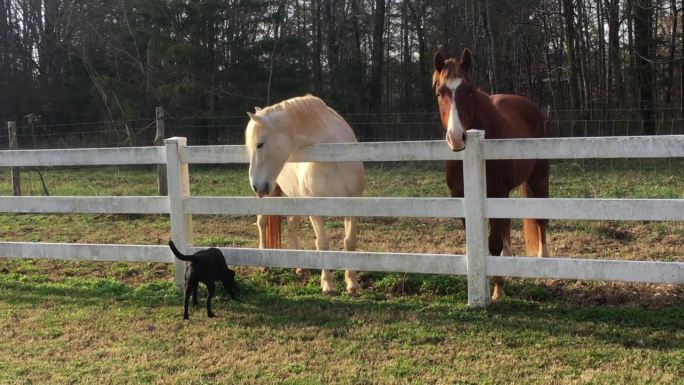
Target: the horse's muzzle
pixel 456 145
pixel 262 189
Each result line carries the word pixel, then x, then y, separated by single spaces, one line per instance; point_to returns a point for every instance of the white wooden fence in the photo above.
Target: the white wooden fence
pixel 475 207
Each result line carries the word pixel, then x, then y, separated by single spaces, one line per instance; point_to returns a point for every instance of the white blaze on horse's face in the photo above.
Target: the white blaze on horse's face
pixel 268 147
pixel 455 135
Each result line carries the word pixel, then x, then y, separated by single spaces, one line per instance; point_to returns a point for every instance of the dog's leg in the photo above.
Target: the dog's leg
pixel 188 290
pixel 211 287
pixel 194 296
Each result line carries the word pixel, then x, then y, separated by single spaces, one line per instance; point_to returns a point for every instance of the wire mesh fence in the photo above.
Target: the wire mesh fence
pixel 229 129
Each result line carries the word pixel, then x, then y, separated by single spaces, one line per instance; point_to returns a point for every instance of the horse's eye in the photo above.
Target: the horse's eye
pixel 439 94
pixel 259 145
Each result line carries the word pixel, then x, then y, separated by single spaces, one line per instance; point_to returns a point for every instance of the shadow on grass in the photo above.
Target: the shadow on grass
pixel 414 319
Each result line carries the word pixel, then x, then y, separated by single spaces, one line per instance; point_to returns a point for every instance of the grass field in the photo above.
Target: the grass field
pixel 118 323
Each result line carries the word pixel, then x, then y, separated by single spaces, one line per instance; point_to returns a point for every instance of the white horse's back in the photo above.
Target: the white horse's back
pixel 312 118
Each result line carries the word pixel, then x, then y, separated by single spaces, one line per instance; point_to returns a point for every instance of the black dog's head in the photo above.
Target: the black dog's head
pixel 229 284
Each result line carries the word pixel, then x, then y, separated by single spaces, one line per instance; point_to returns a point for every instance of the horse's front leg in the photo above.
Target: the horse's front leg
pixel 293 224
pixel 322 243
pixel 499 244
pixel 262 220
pixel 350 245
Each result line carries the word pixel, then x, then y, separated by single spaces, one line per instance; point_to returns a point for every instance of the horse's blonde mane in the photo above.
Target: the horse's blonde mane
pixel 304 109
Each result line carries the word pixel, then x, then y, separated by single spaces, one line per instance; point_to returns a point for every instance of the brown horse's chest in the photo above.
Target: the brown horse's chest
pixel 502 176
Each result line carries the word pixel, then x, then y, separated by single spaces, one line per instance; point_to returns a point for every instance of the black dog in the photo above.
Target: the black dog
pixel 206 266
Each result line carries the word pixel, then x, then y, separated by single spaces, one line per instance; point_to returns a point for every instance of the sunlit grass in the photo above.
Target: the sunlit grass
pixel 65 322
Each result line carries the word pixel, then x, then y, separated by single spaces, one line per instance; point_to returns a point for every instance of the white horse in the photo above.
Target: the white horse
pixel 277 132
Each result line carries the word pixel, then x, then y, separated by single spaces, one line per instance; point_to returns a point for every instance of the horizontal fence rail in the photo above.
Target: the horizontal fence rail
pixel 99 205
pixel 588 209
pixel 366 207
pixel 662 146
pixel 354 260
pixel 606 147
pixel 83 157
pixel 334 152
pixel 87 252
pixel 586 269
pixel 526 267
pixel 176 155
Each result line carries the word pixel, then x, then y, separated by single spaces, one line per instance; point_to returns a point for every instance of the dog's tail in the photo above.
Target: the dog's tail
pixel 179 255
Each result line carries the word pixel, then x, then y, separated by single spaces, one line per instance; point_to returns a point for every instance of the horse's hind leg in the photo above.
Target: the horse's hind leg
pixel 536 186
pixel 322 243
pixel 293 224
pixel 350 245
pixel 499 244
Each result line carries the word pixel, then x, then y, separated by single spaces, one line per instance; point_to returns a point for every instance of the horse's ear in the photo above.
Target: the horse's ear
pixel 258 118
pixel 439 62
pixel 257 109
pixel 466 60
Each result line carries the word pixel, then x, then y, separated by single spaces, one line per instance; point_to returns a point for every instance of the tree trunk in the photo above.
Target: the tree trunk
pixel 317 50
pixel 331 42
pixel 377 56
pixel 643 45
pixel 491 34
pixel 4 59
pixel 570 59
pixel 671 55
pixel 422 55
pixel 614 73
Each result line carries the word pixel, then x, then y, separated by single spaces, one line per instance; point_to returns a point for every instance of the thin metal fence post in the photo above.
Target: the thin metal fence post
pixel 475 193
pixel 179 189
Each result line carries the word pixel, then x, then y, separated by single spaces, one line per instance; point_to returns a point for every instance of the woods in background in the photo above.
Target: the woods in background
pixel 81 60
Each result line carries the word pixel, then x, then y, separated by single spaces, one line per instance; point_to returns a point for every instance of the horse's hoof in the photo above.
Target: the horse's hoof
pixel 329 293
pixel 353 291
pixel 498 295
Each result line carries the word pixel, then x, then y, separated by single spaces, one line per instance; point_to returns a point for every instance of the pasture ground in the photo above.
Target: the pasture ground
pixel 118 323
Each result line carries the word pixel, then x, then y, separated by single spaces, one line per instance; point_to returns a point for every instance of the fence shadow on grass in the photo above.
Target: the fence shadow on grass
pixel 419 319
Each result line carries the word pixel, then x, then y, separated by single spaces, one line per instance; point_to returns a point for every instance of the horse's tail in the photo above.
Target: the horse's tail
pixel 537 186
pixel 532 238
pixel 273 222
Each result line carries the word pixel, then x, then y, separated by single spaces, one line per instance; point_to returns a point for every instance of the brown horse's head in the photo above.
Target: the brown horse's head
pixel 454 88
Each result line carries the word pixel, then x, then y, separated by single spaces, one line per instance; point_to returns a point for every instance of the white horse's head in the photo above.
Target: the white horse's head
pixel 268 145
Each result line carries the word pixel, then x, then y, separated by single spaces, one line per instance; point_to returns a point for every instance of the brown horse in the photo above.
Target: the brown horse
pixel 462 106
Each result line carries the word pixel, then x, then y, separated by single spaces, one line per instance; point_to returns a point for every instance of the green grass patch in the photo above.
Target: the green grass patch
pixel 68 322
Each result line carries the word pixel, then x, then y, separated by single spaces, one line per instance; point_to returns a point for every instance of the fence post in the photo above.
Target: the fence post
pixel 475 192
pixel 179 190
pixel 162 186
pixel 16 179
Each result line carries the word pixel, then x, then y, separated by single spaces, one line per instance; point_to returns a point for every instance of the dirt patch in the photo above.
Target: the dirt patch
pixel 642 295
